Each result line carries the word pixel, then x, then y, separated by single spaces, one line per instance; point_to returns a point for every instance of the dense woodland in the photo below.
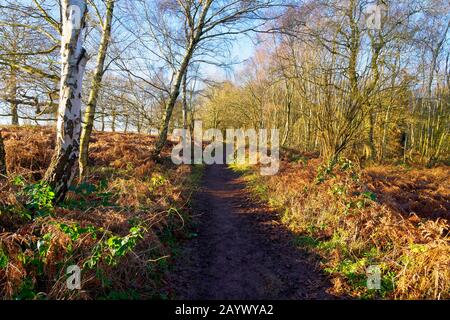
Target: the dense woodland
pixel 117 72
pixel 319 73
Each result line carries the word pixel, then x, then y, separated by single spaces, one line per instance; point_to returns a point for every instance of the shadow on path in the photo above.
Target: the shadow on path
pixel 242 251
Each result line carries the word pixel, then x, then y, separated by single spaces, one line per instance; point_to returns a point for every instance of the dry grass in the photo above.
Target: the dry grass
pixel 130 192
pixel 29 150
pixel 415 191
pixel 338 216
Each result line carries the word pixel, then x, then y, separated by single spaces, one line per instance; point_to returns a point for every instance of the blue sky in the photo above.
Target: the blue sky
pixel 243 49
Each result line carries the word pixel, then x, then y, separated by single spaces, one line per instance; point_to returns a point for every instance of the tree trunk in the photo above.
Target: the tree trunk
pixel 175 90
pixel 384 136
pixel 127 119
pixel 102 120
pixel 113 119
pixel 14 114
pixel 174 93
pixel 331 149
pixel 73 59
pixel 139 123
pixel 88 123
pixel 184 102
pixel 3 172
pixel 370 138
pixel 287 123
pixel 13 98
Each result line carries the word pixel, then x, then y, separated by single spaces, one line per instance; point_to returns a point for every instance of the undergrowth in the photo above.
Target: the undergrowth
pixel 333 213
pixel 121 225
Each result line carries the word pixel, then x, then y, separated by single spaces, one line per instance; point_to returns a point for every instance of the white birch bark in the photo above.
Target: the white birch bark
pixel 73 62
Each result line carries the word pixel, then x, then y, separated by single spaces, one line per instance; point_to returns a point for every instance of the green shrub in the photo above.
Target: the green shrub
pixel 39 198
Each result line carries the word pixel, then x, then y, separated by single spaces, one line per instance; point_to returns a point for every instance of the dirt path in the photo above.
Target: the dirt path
pixel 241 251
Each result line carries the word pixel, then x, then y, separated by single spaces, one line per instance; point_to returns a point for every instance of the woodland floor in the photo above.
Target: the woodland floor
pixel 241 250
pixel 239 247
